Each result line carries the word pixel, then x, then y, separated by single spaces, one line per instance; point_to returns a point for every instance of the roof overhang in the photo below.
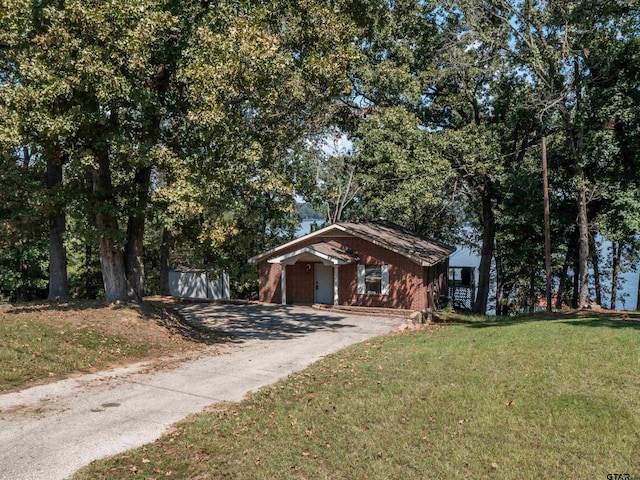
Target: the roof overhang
pixel 414 258
pixel 304 238
pixel 324 252
pixel 344 228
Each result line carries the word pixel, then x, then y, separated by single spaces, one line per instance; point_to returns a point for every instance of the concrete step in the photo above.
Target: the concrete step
pixel 371 311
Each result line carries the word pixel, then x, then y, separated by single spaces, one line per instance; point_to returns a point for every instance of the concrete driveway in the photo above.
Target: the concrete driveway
pixel 48 432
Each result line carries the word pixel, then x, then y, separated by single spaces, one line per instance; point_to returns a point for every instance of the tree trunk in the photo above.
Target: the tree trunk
pixel 638 296
pixel 88 272
pixel 583 246
pixel 134 254
pixel 596 281
pixel 547 225
pixel 507 290
pixel 533 298
pixel 58 285
pixel 595 261
pixel 116 287
pixel 563 279
pixel 486 254
pixel 499 286
pixel 22 292
pixel 164 263
pixel 575 141
pixel 576 285
pixel 615 273
pixel 26 158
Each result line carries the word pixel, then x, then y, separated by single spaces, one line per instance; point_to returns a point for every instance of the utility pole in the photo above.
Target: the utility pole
pixel 547 222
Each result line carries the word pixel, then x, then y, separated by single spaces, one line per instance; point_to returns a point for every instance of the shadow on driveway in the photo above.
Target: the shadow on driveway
pixel 261 322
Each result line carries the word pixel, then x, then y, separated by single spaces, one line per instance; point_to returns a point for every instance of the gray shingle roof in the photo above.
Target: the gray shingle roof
pixel 423 251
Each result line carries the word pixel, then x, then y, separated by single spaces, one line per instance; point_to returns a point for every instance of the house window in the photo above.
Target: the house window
pixel 373 279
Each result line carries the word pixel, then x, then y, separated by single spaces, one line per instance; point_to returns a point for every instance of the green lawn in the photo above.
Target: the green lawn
pixel 46 341
pixel 31 352
pixel 527 399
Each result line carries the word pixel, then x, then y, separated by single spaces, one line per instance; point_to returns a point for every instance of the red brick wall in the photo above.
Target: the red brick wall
pixel 300 283
pixel 406 286
pixel 269 291
pixel 408 282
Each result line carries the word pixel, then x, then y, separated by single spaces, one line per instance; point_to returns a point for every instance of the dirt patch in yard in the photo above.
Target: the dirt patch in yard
pixel 152 322
pixel 121 334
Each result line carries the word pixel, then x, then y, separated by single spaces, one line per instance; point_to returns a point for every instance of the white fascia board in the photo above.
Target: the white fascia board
pixel 258 258
pixel 315 253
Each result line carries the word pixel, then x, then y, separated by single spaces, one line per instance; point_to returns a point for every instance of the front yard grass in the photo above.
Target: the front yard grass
pixel 511 399
pixel 47 341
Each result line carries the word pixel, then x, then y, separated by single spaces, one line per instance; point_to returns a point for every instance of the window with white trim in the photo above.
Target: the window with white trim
pixel 373 279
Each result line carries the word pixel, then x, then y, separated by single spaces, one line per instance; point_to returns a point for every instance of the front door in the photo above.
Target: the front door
pixel 324 284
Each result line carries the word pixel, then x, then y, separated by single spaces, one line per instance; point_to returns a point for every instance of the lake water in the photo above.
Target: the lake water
pixel 465 257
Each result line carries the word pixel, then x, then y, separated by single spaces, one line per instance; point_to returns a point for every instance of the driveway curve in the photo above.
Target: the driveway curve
pixel 48 432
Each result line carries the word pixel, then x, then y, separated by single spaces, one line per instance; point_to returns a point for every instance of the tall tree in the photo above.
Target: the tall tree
pixel 400 174
pixel 444 64
pixel 336 179
pixel 44 130
pixel 262 81
pixel 96 77
pixel 554 42
pixel 58 284
pixel 404 175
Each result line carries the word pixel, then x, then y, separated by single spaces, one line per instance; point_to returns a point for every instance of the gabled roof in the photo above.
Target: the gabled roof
pixel 327 253
pixel 423 251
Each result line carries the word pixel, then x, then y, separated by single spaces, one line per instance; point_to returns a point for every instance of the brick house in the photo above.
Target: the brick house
pixel 377 264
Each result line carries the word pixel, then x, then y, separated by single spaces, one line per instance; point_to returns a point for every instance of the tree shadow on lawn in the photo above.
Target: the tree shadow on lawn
pixel 609 322
pixel 496 322
pixel 39 306
pixel 259 321
pixel 580 318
